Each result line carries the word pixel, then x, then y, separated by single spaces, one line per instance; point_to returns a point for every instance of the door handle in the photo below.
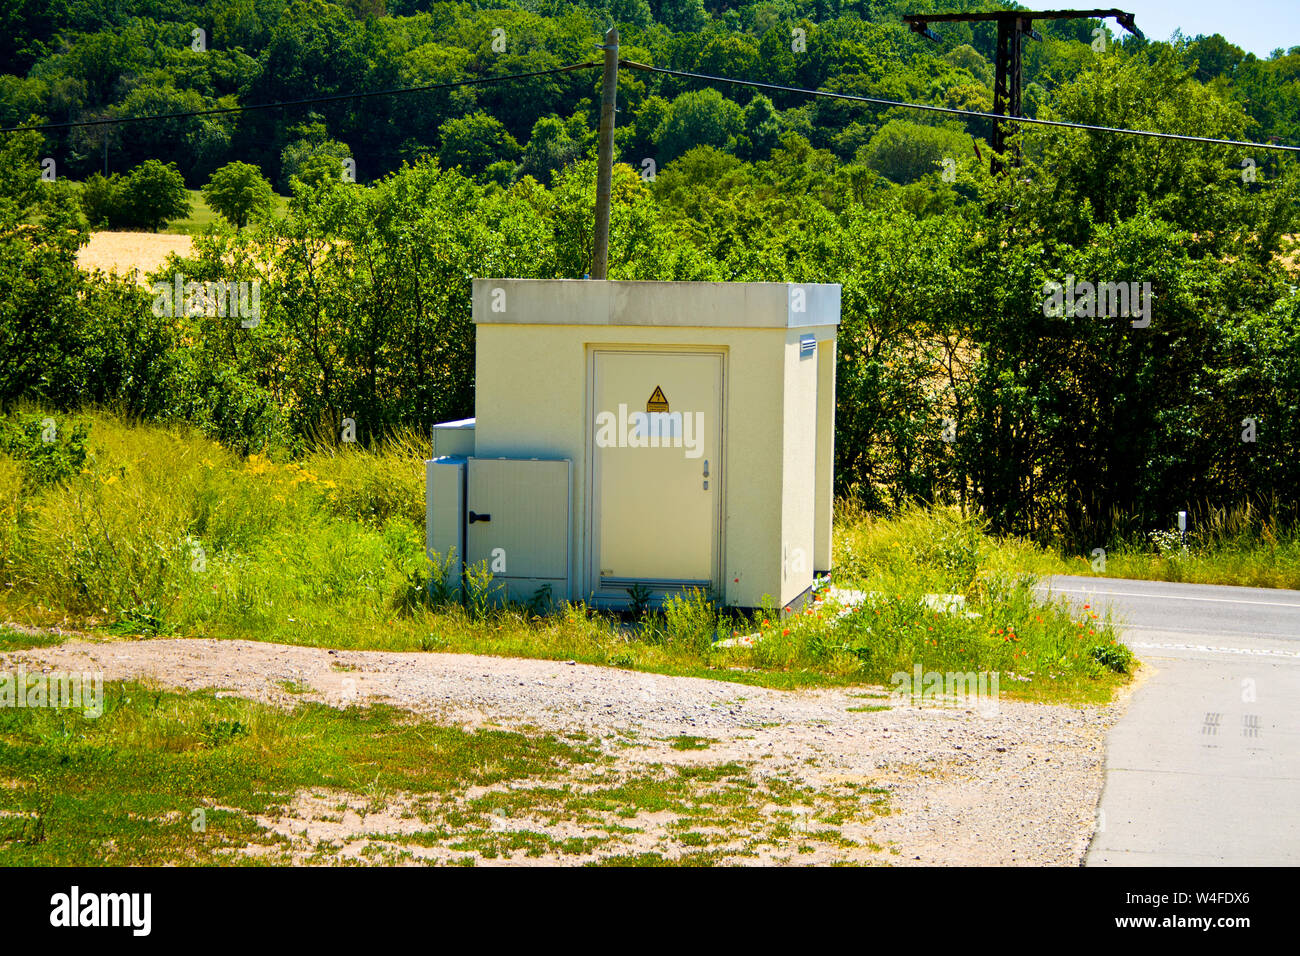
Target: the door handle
pixel 477 517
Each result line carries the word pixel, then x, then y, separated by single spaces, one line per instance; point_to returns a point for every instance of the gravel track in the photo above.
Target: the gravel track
pixel 1015 787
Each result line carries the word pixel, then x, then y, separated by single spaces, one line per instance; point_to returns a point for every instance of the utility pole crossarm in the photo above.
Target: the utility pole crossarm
pixel 917 21
pixel 1013 27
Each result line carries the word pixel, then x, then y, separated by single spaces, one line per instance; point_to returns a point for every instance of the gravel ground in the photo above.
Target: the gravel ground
pixel 1016 787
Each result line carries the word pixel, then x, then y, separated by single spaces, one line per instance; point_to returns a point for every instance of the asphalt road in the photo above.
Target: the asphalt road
pixel 1204 768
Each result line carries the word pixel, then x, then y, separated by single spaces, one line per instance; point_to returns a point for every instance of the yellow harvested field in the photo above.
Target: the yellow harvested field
pixel 121 252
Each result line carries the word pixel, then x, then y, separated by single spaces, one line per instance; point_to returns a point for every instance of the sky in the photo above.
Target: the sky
pixel 1257 26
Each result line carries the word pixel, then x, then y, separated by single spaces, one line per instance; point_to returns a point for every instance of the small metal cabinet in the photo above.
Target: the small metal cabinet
pixel 517 522
pixel 444 510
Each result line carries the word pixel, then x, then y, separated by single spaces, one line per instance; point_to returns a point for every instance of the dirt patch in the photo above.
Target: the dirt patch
pixel 1019 786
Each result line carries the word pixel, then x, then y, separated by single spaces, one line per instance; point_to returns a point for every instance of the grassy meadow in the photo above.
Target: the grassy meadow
pixel 1223 547
pixel 165 778
pixel 202 216
pixel 123 531
pixel 119 529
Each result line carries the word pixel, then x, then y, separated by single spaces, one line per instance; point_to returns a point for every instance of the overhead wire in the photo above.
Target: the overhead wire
pixel 973 114
pixel 684 74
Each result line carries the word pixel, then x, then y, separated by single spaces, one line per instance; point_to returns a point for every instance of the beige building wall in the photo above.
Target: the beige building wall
pixel 824 506
pixel 531 401
pixel 798 468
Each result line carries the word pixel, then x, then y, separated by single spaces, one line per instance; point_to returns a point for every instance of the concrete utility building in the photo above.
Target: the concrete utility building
pixel 643 437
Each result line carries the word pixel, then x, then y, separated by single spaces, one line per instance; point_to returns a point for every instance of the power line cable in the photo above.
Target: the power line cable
pixel 754 84
pixel 477 81
pixel 956 112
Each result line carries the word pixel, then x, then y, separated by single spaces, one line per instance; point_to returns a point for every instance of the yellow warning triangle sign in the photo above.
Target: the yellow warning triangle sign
pixel 657 402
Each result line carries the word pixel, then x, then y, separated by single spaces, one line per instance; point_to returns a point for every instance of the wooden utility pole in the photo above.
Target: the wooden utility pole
pixel 605 157
pixel 1013 27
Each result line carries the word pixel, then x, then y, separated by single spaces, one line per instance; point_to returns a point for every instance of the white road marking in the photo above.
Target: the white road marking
pixel 1262 651
pixel 1169 597
pixel 1226 635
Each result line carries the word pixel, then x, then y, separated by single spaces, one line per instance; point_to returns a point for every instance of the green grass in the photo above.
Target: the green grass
pixel 1232 547
pixel 1260 557
pixel 163 532
pixel 201 216
pixel 123 789
pixel 1068 654
pixel 11 640
pixel 166 778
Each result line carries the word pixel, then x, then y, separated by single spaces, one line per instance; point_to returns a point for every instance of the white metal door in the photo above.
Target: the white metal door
pixel 517 524
pixel 656 437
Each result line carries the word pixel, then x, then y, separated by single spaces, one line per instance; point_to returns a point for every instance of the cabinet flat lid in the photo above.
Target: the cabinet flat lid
pixel 720 305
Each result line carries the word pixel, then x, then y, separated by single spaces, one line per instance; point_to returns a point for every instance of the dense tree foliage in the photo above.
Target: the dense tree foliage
pixel 73 59
pixel 957 379
pixel 238 191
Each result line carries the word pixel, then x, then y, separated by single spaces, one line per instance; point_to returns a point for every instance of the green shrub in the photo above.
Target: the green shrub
pixel 148 197
pixel 101 201
pixel 238 191
pixel 690 620
pixel 940 546
pixel 1115 656
pixel 153 194
pixel 50 452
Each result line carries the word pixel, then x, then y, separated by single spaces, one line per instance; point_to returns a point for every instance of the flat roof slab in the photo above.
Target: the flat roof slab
pixel 720 305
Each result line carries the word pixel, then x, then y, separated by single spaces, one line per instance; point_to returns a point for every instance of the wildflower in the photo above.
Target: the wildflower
pixel 786 632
